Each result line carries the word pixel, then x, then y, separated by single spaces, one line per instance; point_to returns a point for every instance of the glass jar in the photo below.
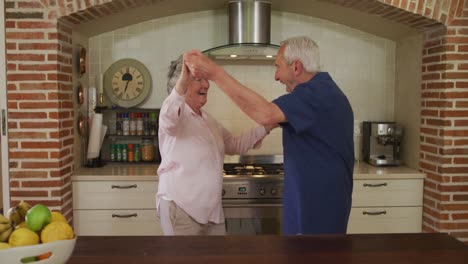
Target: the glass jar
pixel 147 149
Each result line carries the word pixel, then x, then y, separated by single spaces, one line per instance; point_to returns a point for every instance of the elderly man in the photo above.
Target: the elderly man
pixel 317 122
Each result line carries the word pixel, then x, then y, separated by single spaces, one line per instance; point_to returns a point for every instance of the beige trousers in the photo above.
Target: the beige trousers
pixel 176 222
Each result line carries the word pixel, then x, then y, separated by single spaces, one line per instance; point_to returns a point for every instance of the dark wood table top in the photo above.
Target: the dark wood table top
pixel 362 249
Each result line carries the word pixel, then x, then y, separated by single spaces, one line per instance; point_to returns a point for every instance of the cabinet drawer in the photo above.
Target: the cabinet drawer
pixel 114 195
pixel 394 220
pixel 116 223
pixel 401 192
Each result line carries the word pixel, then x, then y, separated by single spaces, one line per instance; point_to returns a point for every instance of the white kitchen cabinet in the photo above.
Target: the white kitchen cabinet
pixel 386 206
pixel 120 200
pixel 119 208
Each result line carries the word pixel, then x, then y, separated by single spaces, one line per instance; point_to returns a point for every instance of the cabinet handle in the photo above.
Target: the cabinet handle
pixel 374 185
pixel 374 213
pixel 124 186
pixel 4 123
pixel 124 216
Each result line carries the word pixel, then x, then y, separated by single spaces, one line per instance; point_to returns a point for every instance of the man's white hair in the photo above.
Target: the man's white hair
pixel 303 49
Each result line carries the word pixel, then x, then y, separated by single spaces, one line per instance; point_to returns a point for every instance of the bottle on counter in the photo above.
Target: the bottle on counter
pixel 112 124
pixel 113 152
pixel 146 124
pixel 118 155
pixel 130 153
pixel 139 124
pixel 153 125
pixel 133 124
pixel 137 157
pixel 118 124
pixel 124 153
pixel 125 124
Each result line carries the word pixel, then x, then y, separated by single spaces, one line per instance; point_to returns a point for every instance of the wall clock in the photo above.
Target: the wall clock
pixel 127 83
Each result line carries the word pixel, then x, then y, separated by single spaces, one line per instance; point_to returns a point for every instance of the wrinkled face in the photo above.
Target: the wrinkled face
pixel 284 71
pixel 197 94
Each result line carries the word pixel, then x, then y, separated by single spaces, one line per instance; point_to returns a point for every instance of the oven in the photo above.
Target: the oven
pixel 252 195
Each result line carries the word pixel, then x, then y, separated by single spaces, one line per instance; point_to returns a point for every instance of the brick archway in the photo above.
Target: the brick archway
pixel 40 105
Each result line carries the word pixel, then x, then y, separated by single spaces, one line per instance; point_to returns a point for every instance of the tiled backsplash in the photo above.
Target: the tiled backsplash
pixel 363 65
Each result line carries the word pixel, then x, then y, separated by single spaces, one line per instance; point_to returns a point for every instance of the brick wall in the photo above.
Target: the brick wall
pixel 40 116
pixel 38 43
pixel 444 128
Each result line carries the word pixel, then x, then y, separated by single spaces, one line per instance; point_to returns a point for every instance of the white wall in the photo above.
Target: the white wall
pixel 408 96
pixel 363 65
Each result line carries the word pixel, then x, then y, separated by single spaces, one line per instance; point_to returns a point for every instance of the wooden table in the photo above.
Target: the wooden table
pixel 362 249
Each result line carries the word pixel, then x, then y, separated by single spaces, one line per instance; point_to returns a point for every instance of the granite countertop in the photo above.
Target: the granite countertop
pixel 129 172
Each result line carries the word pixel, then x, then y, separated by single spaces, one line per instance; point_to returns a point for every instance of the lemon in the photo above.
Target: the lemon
pixel 4 245
pixel 23 237
pixel 56 231
pixel 56 216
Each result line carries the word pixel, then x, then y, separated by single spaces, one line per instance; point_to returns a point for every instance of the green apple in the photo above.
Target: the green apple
pixel 37 217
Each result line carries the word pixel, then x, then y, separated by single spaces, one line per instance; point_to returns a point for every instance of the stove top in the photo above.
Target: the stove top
pixel 253 169
pixel 253 166
pixel 253 177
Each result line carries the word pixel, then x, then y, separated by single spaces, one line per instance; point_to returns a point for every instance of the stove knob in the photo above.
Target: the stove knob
pixel 273 191
pixel 223 192
pixel 262 191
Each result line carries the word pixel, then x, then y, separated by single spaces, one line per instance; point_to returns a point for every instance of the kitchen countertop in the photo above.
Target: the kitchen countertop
pixel 362 171
pixel 427 248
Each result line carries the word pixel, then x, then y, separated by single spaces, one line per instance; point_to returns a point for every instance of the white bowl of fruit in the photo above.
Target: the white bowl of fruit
pixel 35 234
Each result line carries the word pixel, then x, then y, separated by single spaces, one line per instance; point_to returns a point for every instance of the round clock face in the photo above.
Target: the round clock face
pixel 127 83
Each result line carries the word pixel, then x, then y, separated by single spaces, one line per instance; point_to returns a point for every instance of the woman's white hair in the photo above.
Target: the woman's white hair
pixel 175 69
pixel 303 49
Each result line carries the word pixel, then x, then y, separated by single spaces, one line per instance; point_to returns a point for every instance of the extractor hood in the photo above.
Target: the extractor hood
pixel 249 32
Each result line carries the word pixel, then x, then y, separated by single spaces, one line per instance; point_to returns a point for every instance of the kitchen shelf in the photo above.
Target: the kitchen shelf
pixel 109 162
pixel 130 136
pixel 110 139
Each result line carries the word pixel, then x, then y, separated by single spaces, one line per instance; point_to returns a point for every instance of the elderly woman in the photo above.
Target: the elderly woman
pixel 192 146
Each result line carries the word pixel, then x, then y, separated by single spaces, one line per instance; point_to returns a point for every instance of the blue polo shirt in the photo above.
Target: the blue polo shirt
pixel 318 157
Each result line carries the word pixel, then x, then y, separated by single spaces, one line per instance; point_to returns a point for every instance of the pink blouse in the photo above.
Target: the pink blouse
pixel 192 150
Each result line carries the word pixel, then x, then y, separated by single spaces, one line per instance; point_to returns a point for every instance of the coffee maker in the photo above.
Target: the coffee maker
pixel 381 143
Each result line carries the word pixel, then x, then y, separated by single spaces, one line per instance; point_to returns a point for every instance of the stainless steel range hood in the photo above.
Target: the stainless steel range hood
pixel 249 32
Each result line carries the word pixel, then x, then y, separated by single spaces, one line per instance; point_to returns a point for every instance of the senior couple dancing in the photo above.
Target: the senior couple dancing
pixel 317 130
